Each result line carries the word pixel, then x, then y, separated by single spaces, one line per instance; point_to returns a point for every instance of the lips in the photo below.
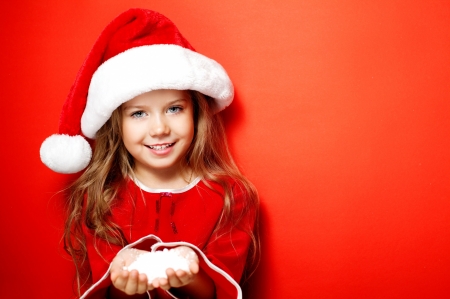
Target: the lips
pixel 160 147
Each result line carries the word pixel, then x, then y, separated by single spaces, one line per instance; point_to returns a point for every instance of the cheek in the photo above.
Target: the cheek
pixel 183 126
pixel 130 133
pixel 190 130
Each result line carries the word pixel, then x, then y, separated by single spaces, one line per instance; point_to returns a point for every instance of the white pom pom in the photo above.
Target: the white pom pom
pixel 65 154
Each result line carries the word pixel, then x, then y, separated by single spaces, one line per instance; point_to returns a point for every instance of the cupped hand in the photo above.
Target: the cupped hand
pixel 179 278
pixel 129 282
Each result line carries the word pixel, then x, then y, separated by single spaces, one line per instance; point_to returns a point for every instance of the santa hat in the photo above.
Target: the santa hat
pixel 139 51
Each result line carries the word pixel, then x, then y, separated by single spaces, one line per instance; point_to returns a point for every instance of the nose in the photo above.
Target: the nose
pixel 159 126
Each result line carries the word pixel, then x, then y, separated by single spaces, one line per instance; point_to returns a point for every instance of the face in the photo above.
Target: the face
pixel 158 128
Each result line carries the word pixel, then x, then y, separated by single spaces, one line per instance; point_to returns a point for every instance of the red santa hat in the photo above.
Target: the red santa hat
pixel 139 51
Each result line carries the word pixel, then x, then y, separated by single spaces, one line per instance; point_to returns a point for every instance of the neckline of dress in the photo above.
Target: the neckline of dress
pixel 158 190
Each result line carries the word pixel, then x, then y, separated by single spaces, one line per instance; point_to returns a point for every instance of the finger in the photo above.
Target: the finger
pixel 184 277
pixel 114 274
pixel 172 278
pixel 150 286
pixel 142 284
pixel 131 287
pixel 179 278
pixel 120 280
pixel 163 283
pixel 194 267
pixel 155 283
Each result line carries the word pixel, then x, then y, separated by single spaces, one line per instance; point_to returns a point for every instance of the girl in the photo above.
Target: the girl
pixel 161 176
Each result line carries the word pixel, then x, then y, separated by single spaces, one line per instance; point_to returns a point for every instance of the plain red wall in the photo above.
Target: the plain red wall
pixel 341 120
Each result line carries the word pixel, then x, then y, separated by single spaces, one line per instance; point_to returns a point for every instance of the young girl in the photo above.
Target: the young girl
pixel 160 176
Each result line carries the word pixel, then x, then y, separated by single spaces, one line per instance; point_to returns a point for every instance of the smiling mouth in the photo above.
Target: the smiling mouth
pixel 160 147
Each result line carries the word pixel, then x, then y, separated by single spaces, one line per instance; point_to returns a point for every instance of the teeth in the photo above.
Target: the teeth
pixel 160 147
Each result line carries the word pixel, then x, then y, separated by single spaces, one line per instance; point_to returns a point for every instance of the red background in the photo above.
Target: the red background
pixel 341 120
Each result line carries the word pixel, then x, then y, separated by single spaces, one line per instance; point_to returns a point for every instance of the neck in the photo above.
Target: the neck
pixel 165 178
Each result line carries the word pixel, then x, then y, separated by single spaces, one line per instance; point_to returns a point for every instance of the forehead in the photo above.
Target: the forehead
pixel 155 97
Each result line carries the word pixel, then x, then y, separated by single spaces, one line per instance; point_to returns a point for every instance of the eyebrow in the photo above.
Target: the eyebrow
pixel 132 107
pixel 125 107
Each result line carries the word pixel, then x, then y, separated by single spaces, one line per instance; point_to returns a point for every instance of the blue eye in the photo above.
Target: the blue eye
pixel 175 109
pixel 138 114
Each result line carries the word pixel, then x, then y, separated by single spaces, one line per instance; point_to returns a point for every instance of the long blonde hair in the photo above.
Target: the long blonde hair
pixel 91 195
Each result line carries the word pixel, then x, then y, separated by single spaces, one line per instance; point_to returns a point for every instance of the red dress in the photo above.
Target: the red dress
pixel 163 218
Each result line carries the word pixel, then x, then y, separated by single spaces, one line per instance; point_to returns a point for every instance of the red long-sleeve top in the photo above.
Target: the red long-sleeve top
pixel 189 215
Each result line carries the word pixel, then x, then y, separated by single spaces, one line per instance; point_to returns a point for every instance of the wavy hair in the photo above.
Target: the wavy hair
pixel 91 195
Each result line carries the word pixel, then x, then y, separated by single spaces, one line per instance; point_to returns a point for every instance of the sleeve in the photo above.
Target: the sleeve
pixel 101 254
pixel 228 247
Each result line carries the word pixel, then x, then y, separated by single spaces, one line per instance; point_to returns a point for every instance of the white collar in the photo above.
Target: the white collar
pixel 178 190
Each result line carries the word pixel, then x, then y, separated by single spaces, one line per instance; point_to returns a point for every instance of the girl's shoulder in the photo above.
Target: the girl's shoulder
pixel 238 189
pixel 224 183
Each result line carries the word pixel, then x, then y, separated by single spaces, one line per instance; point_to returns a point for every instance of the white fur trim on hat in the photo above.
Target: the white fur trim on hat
pixel 152 67
pixel 65 154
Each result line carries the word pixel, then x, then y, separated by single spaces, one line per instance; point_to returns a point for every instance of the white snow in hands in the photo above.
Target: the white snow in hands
pixel 154 264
